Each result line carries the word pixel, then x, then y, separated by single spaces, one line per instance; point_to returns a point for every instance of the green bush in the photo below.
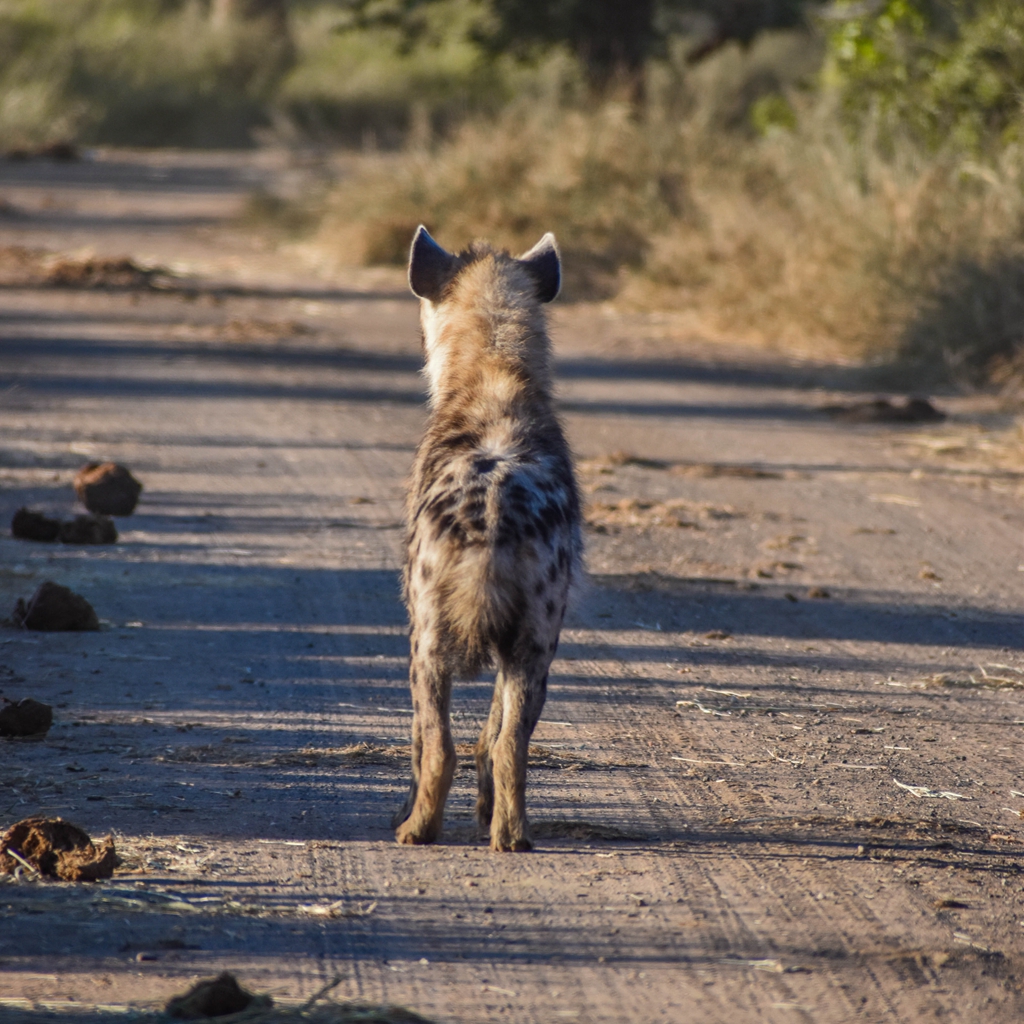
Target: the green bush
pixel 946 72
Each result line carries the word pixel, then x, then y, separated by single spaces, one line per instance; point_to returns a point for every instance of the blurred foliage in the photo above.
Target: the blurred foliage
pixel 613 40
pixel 221 72
pixel 856 180
pixel 377 88
pixel 142 72
pixel 946 72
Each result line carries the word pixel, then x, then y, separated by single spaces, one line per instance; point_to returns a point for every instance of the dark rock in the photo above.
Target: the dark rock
pixel 215 997
pixel 57 849
pixel 53 608
pixel 30 525
pixel 27 717
pixel 107 488
pixel 88 529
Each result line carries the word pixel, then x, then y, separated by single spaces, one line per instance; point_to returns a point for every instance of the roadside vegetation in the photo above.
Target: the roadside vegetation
pixel 840 178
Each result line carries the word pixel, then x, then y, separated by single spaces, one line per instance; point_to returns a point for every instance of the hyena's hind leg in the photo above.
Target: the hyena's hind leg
pixel 416 748
pixel 523 690
pixel 433 751
pixel 484 763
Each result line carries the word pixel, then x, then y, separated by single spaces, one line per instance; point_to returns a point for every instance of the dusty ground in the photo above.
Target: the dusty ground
pixel 724 791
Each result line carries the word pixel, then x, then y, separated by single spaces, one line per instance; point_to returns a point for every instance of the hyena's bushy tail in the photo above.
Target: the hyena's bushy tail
pixel 484 603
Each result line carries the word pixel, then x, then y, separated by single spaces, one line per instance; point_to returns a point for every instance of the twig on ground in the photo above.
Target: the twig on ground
pixel 785 760
pixel 925 792
pixel 693 760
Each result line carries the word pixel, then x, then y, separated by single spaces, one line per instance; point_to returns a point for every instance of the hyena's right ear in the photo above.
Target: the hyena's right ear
pixel 430 266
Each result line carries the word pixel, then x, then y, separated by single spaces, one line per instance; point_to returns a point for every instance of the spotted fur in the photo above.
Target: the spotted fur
pixel 493 525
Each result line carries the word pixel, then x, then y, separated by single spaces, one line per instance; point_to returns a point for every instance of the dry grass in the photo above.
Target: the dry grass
pixel 804 239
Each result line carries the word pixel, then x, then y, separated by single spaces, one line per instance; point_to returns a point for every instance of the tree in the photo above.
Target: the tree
pixel 222 12
pixel 613 39
pixel 943 72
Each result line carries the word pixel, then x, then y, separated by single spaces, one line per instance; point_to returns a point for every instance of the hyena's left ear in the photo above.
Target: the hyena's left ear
pixel 430 266
pixel 545 267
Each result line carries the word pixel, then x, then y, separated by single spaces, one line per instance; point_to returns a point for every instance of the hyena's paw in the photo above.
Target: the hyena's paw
pixel 485 809
pixel 408 835
pixel 403 812
pixel 511 839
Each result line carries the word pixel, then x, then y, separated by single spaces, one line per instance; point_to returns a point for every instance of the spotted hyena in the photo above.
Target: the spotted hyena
pixel 493 524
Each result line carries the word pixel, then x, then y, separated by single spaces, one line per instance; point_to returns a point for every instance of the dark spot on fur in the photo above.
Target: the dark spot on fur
pixel 539 588
pixel 518 494
pixel 508 533
pixel 467 439
pixel 483 465
pixel 549 609
pixel 442 503
pixel 553 515
pixel 506 637
pixel 553 573
pixel 426 572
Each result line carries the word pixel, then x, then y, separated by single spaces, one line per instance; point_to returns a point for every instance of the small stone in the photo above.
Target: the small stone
pixel 107 488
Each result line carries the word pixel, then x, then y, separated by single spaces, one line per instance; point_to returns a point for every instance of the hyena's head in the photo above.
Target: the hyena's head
pixel 482 299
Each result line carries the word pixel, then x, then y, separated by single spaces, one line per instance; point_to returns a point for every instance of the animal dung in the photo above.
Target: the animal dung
pixel 107 488
pixel 55 609
pixel 881 410
pixel 25 717
pixel 88 529
pixel 98 272
pixel 215 997
pixel 28 524
pixel 55 848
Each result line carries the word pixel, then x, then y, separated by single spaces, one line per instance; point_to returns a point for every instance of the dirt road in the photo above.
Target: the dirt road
pixel 778 778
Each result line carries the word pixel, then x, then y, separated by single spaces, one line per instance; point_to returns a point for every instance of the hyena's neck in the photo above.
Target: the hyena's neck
pixel 486 348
